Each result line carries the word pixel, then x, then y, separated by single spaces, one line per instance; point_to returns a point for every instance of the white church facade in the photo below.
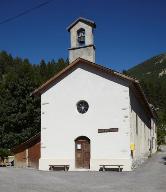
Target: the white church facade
pixel 92 115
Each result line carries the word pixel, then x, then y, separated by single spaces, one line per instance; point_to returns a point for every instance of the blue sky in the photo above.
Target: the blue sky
pixel 128 31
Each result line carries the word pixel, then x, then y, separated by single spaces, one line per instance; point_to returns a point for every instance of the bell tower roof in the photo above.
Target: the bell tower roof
pixel 83 20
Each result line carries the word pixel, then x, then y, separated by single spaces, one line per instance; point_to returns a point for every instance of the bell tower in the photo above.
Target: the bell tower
pixel 82 42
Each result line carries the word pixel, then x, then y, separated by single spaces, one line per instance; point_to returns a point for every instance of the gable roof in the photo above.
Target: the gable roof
pixel 27 144
pixel 78 61
pixel 134 83
pixel 86 21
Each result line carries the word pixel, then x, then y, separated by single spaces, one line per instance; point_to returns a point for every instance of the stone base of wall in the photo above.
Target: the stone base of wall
pixel 139 160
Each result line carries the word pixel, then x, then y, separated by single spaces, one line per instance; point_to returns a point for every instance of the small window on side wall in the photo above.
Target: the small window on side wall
pixel 81 37
pixel 136 124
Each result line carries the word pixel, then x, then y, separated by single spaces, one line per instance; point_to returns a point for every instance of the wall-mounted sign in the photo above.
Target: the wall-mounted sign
pixel 108 130
pixel 78 146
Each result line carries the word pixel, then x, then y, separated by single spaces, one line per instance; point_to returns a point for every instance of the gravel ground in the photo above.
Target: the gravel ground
pixel 149 177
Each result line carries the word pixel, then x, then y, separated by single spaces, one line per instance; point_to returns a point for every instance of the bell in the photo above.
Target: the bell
pixel 81 39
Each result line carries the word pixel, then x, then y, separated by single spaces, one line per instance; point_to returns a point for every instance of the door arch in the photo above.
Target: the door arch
pixel 82 152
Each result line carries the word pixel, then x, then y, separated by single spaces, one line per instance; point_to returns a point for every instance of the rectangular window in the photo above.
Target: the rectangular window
pixel 144 131
pixel 136 124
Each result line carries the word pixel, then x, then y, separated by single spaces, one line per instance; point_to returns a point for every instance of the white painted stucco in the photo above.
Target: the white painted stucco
pixel 143 131
pixel 61 124
pixel 85 52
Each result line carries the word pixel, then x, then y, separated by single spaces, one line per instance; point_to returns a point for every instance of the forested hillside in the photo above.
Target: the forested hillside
pixel 20 112
pixel 152 76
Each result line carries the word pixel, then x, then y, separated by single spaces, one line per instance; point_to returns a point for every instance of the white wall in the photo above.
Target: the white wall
pixel 143 136
pixel 154 135
pixel 87 53
pixel 61 123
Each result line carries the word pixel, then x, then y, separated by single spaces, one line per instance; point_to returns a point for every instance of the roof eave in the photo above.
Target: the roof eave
pixel 138 87
pixel 87 21
pixel 35 138
pixel 131 80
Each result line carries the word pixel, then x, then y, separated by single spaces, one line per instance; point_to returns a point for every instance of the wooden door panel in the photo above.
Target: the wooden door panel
pixel 82 154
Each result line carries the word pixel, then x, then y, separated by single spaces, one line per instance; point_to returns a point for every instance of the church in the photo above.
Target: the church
pixel 93 117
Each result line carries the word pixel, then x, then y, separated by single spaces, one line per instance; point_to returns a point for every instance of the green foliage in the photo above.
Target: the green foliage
pixel 152 76
pixel 161 133
pixel 20 112
pixel 4 153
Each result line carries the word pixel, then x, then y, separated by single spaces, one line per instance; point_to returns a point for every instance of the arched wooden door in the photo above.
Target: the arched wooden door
pixel 82 152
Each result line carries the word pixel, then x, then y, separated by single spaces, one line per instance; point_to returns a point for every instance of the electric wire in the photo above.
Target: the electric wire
pixel 25 12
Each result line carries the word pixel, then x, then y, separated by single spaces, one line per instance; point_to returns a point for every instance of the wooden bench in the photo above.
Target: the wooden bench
pixel 53 167
pixel 106 166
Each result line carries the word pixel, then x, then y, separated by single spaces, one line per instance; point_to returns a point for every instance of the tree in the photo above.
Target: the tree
pixel 4 153
pixel 161 133
pixel 20 112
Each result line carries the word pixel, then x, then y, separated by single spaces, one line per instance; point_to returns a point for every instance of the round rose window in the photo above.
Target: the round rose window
pixel 82 106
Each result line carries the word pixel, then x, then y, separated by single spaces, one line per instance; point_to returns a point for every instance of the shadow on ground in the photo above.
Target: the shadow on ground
pixel 164 160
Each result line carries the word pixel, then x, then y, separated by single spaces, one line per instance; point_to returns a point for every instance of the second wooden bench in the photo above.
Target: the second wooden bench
pixel 107 166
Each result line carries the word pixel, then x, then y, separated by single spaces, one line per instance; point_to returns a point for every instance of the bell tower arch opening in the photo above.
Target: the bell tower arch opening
pixel 81 37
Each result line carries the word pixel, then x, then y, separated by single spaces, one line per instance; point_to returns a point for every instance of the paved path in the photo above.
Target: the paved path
pixel 150 177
